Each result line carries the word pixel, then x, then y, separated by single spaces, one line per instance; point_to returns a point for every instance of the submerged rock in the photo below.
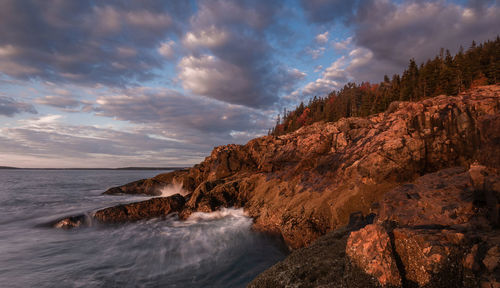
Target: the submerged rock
pixel 70 222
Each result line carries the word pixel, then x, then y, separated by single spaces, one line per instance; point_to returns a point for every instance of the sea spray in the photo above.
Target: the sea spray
pixel 206 238
pixel 172 189
pixel 217 249
pixel 230 213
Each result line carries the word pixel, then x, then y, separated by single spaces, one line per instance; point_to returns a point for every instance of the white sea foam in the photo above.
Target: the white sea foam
pixel 172 189
pixel 224 212
pixel 203 237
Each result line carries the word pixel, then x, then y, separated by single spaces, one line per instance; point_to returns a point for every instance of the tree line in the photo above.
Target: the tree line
pixel 445 74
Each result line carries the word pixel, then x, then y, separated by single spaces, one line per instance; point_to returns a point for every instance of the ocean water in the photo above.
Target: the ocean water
pixel 208 250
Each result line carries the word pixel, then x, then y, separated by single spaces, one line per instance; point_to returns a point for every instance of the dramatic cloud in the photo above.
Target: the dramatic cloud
pixel 232 60
pixel 9 107
pixel 157 82
pixel 112 43
pixel 208 75
pixel 184 118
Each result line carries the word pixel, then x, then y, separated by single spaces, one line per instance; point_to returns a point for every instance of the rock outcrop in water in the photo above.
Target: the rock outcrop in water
pixel 307 183
pixel 436 230
pixel 152 208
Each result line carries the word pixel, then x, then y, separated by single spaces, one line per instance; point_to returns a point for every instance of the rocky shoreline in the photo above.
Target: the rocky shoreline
pixel 414 220
pixel 438 231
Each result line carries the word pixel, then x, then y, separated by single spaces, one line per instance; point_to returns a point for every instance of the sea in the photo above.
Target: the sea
pixel 217 249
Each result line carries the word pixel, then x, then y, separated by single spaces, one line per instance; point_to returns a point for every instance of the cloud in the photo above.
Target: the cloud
pixel 342 45
pixel 190 119
pixel 324 11
pixel 321 38
pixel 335 76
pixel 417 29
pixel 296 73
pixel 256 15
pixel 9 107
pixel 216 78
pixel 210 38
pixel 167 50
pixel 315 53
pixel 82 42
pixel 48 141
pixel 58 101
pixel 321 87
pixel 403 30
pixel 231 59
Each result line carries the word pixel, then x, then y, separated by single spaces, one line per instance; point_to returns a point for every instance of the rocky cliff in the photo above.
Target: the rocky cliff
pixel 305 184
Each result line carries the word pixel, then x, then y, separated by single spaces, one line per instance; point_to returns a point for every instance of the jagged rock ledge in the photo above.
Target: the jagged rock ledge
pixel 152 208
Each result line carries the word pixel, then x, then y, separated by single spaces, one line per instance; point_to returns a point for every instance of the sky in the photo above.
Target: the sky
pixel 160 83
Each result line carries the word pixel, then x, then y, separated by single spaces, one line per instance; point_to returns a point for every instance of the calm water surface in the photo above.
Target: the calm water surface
pixel 208 250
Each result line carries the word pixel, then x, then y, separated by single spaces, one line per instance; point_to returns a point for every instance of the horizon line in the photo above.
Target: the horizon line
pixel 95 168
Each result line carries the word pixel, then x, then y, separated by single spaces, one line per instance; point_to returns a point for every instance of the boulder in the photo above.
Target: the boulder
pixel 370 250
pixel 70 222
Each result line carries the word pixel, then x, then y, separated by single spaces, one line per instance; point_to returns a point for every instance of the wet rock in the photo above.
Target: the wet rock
pixel 144 186
pixel 152 208
pixel 71 222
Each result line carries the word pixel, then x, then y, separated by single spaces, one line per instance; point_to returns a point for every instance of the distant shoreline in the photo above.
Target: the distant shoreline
pixel 122 168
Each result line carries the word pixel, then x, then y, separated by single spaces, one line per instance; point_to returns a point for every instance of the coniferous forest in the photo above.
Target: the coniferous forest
pixel 445 74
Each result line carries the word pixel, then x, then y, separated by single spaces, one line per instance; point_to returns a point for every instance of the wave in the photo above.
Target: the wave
pixel 222 213
pixel 172 189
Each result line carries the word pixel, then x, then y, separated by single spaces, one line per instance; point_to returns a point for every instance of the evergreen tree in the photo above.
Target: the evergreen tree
pixel 445 74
